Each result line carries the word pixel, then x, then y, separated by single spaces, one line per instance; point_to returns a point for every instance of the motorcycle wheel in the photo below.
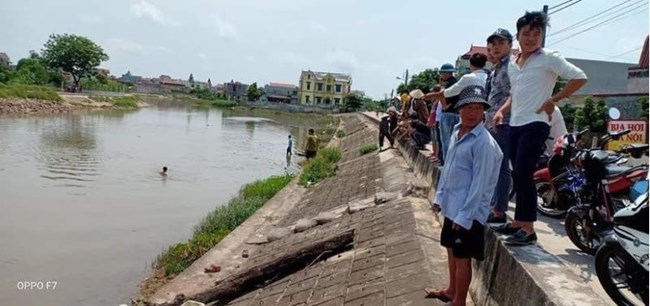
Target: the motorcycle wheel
pixel 546 200
pixel 580 234
pixel 610 267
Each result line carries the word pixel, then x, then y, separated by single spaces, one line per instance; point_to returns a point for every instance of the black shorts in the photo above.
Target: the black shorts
pixel 310 154
pixel 464 243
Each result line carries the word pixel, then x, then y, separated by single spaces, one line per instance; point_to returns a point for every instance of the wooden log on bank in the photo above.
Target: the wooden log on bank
pixel 239 283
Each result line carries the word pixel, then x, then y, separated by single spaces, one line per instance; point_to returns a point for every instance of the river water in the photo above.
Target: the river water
pixel 83 210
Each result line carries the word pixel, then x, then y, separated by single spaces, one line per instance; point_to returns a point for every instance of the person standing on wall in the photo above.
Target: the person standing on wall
pixel 532 74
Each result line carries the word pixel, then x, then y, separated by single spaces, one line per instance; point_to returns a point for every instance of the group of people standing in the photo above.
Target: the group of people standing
pixel 489 127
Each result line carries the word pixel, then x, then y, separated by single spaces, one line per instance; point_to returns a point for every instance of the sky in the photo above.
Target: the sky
pixel 274 40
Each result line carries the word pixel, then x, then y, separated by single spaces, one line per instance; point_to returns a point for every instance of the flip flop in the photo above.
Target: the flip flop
pixel 436 294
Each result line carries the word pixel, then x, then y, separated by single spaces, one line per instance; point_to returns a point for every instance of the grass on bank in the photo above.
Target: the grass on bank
pixel 340 133
pixel 321 167
pixel 363 150
pixel 126 101
pixel 29 92
pixel 219 223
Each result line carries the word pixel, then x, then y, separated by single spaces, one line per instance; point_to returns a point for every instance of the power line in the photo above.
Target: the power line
pixel 608 21
pixel 565 7
pixel 590 19
pixel 624 53
pixel 563 3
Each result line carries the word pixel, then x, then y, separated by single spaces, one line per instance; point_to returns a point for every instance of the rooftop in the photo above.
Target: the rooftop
pixel 283 85
pixel 337 76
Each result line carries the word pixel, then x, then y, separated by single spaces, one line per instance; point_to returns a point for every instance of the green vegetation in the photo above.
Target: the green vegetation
pixel 321 167
pixel 363 150
pixel 424 81
pixel 216 102
pixel 254 93
pixel 126 101
pixel 592 116
pixel 340 133
pixel 643 107
pixel 29 92
pixel 100 83
pixel 352 103
pixel 219 223
pixel 74 54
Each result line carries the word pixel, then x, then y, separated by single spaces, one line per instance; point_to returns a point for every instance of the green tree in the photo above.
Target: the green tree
pixel 74 54
pixel 191 80
pixel 352 102
pixel 643 107
pixel 559 85
pixel 424 80
pixel 253 92
pixel 6 74
pixel 569 114
pixel 30 71
pixel 592 116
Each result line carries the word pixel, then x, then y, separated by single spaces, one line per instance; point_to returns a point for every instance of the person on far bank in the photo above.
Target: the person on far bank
pixel 532 74
pixel 449 96
pixel 311 145
pixel 464 192
pixel 290 146
pixel 499 48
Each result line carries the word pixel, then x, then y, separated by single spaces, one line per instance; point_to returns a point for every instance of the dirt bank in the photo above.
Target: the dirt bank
pixel 69 104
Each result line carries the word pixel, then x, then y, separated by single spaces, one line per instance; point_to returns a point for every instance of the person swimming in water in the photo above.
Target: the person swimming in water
pixel 164 171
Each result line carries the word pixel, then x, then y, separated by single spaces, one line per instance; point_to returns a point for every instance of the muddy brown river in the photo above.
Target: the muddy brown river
pixel 83 210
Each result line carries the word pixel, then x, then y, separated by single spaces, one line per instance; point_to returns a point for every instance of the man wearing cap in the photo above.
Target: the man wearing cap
pixel 532 74
pixel 500 46
pixel 449 96
pixel 464 192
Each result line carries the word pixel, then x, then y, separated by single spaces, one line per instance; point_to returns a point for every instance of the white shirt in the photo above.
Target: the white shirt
pixel 477 77
pixel 558 129
pixel 438 111
pixel 532 85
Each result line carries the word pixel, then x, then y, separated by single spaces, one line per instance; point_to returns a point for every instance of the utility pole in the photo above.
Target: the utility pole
pixel 406 78
pixel 545 10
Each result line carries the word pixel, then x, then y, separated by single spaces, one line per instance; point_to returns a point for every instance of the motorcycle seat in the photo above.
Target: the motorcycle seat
pixel 619 171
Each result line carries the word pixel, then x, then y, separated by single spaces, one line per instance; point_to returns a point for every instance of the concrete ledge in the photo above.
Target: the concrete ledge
pixel 511 275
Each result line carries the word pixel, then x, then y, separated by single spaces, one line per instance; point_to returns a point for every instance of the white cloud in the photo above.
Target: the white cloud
pixel 223 28
pixel 342 61
pixel 162 49
pixel 89 19
pixel 144 9
pixel 318 27
pixel 118 45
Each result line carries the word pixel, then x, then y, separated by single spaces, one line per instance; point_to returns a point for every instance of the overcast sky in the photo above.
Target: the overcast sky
pixel 273 40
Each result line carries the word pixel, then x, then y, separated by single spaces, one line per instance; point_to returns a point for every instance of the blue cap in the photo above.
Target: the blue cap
pixel 447 68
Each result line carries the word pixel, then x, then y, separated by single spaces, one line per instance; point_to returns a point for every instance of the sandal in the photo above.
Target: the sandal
pixel 436 294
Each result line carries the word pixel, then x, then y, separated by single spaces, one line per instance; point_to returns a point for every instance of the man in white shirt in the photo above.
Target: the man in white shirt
pixel 449 97
pixel 558 129
pixel 533 74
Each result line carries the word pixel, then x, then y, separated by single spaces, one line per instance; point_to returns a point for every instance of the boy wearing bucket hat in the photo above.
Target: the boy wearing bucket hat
pixel 464 192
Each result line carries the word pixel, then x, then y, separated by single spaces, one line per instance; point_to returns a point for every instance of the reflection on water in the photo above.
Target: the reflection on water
pixel 83 202
pixel 67 150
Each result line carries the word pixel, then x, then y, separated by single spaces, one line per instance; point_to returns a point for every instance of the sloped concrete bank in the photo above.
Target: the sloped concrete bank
pixel 510 275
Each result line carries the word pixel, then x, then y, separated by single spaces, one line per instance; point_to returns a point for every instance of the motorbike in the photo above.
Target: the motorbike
pixel 592 215
pixel 622 260
pixel 559 184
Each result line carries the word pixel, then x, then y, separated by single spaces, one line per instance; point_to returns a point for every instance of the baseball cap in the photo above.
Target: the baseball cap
pixel 503 33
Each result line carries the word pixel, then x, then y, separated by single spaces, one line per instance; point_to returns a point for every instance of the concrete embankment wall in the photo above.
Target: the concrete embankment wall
pixel 510 275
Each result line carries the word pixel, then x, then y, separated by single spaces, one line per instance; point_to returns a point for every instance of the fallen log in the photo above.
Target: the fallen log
pixel 237 284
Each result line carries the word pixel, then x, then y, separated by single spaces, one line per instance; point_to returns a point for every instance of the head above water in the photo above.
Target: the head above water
pixel 311 131
pixel 530 31
pixel 164 169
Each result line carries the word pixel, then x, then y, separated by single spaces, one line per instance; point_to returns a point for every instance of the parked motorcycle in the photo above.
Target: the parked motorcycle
pixel 592 216
pixel 559 185
pixel 622 260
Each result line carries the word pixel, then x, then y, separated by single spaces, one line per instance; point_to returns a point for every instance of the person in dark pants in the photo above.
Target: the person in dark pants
pixel 463 194
pixel 387 124
pixel 498 91
pixel 532 74
pixel 420 133
pixel 311 146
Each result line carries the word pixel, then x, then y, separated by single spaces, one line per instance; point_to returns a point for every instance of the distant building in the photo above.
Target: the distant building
pixel 462 63
pixel 149 85
pixel 172 84
pixel 604 77
pixel 102 71
pixel 279 92
pixel 359 93
pixel 219 89
pixel 637 76
pixel 323 88
pixel 4 59
pixel 129 78
pixel 235 91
